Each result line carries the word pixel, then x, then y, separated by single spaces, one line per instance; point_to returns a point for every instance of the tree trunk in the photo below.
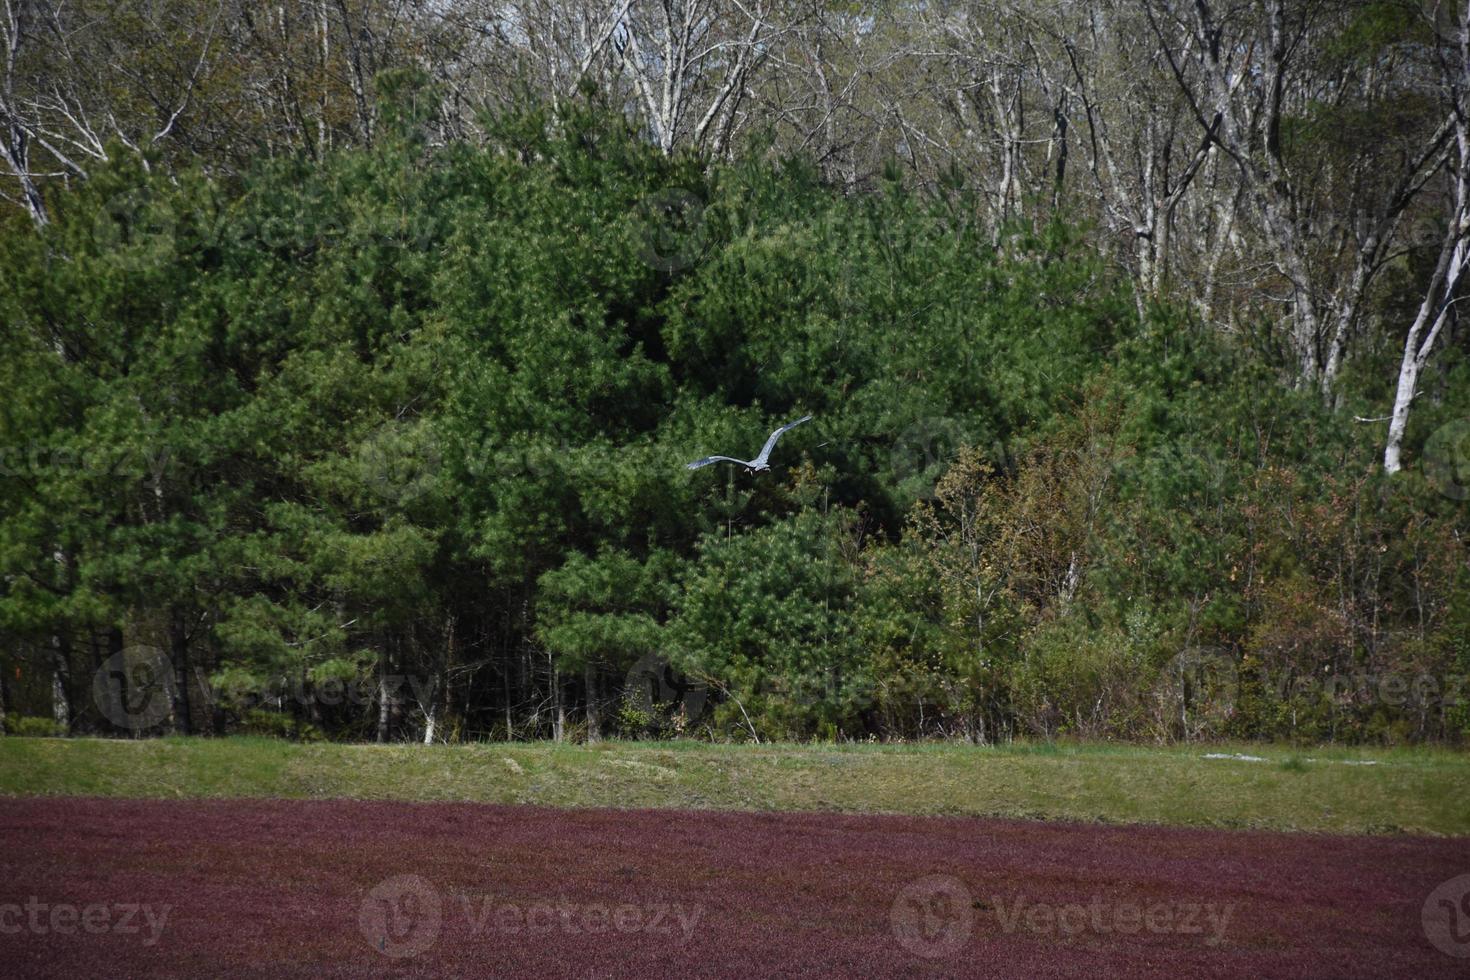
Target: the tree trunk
pixel 356 75
pixel 1399 420
pixel 594 707
pixel 309 698
pixel 60 667
pixel 385 698
pixel 179 650
pixel 384 708
pixel 439 700
pixel 115 646
pixel 452 721
pixel 1438 304
pixel 559 721
pixel 15 153
pixel 60 708
pixel 510 726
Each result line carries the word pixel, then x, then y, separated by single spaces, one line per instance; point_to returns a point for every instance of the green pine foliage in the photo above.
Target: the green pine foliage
pixel 395 438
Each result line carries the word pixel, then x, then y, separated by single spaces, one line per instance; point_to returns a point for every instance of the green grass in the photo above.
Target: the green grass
pixel 1408 791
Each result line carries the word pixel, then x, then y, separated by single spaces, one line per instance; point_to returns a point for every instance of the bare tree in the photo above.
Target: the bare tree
pixel 690 62
pixel 1142 152
pixel 1438 305
pixel 1243 69
pixel 683 68
pixel 15 136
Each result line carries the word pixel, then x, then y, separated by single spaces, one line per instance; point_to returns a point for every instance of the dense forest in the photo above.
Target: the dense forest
pixel 353 354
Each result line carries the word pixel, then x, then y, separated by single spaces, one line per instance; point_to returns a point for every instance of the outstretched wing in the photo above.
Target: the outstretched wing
pixel 715 459
pixel 771 442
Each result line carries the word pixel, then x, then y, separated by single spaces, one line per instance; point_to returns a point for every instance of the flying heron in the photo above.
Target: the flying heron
pixel 758 465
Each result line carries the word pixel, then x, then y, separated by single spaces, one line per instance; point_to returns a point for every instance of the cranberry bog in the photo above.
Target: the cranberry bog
pixel 358 888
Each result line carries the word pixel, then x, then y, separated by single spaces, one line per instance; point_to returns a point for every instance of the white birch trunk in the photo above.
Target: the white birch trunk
pixel 1439 298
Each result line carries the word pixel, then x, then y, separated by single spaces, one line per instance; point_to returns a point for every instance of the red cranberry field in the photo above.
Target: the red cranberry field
pixel 343 888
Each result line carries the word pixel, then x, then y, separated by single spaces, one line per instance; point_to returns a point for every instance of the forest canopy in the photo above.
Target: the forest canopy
pixel 387 440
